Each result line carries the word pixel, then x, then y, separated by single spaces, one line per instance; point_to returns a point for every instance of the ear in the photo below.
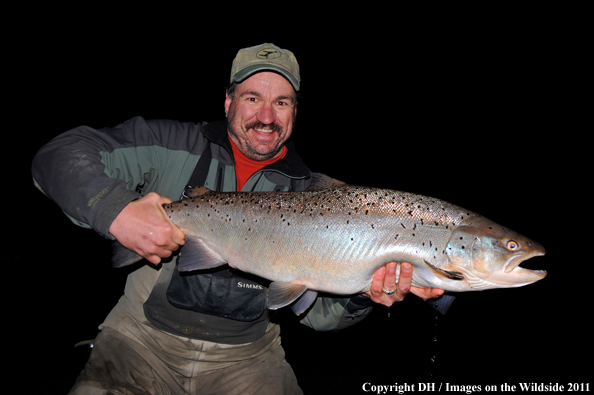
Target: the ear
pixel 228 101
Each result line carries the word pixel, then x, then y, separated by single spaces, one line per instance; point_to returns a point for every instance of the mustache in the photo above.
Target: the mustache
pixel 260 125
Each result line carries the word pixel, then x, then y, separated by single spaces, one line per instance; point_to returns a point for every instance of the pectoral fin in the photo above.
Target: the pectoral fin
pixel 454 275
pixel 195 255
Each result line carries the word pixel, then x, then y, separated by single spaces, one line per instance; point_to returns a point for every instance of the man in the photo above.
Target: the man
pixel 157 340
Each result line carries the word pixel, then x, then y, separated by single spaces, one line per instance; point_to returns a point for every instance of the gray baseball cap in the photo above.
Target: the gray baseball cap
pixel 249 61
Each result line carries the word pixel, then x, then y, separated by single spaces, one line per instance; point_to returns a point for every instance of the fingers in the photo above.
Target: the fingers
pixel 385 290
pixel 177 237
pixel 427 293
pixel 144 227
pixel 405 280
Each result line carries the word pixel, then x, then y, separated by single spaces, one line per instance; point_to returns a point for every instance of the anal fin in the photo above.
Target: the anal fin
pixel 195 255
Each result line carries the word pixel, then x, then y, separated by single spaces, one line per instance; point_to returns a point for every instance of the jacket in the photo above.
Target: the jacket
pixel 92 174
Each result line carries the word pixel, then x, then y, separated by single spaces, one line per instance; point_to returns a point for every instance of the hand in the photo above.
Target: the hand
pixel 144 227
pixel 385 278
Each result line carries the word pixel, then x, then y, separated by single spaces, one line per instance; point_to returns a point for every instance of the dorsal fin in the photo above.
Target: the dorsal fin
pixel 197 191
pixel 322 181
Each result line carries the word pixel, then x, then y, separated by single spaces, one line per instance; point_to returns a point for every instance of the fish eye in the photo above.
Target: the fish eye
pixel 512 245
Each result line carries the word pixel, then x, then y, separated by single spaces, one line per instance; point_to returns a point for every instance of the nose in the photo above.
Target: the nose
pixel 266 114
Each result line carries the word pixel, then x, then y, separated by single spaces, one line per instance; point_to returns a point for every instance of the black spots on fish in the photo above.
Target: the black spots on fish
pixel 401 224
pixel 396 237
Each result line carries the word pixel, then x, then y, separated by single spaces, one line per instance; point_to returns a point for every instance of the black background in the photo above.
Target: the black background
pixel 476 111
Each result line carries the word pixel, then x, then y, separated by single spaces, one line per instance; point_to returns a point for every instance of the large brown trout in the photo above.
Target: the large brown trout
pixel 334 236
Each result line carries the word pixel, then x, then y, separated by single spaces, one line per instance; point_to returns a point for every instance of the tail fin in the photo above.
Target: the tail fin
pixel 122 256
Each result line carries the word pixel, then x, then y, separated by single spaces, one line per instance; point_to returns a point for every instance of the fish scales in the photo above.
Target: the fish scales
pixel 331 240
pixel 334 236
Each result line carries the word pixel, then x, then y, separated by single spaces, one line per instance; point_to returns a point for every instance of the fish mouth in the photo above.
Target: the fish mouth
pixel 513 265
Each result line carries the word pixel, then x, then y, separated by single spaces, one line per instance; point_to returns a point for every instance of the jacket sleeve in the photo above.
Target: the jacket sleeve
pixel 333 314
pixel 92 174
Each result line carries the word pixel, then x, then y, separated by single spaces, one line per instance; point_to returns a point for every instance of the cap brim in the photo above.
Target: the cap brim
pixel 251 70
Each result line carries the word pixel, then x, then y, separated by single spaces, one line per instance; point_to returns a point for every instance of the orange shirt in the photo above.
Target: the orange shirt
pixel 245 167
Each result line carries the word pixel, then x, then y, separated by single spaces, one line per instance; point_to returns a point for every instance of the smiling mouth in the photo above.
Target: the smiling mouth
pixel 265 131
pixel 263 128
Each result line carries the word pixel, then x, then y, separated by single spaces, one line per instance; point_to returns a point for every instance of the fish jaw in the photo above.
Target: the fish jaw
pixel 490 255
pixel 515 276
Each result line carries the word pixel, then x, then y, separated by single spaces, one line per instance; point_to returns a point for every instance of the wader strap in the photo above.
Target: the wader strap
pixel 200 173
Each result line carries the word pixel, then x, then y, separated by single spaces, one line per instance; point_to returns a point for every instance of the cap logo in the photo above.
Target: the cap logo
pixel 268 54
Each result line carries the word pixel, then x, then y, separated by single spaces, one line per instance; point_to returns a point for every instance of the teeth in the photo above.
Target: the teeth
pixel 267 131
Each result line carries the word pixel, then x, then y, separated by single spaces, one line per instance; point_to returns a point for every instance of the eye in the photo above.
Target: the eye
pixel 284 103
pixel 512 245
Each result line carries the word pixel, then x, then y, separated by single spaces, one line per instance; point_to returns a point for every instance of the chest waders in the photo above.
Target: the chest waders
pixel 221 304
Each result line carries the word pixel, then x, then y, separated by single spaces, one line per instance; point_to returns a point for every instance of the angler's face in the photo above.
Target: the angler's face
pixel 261 115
